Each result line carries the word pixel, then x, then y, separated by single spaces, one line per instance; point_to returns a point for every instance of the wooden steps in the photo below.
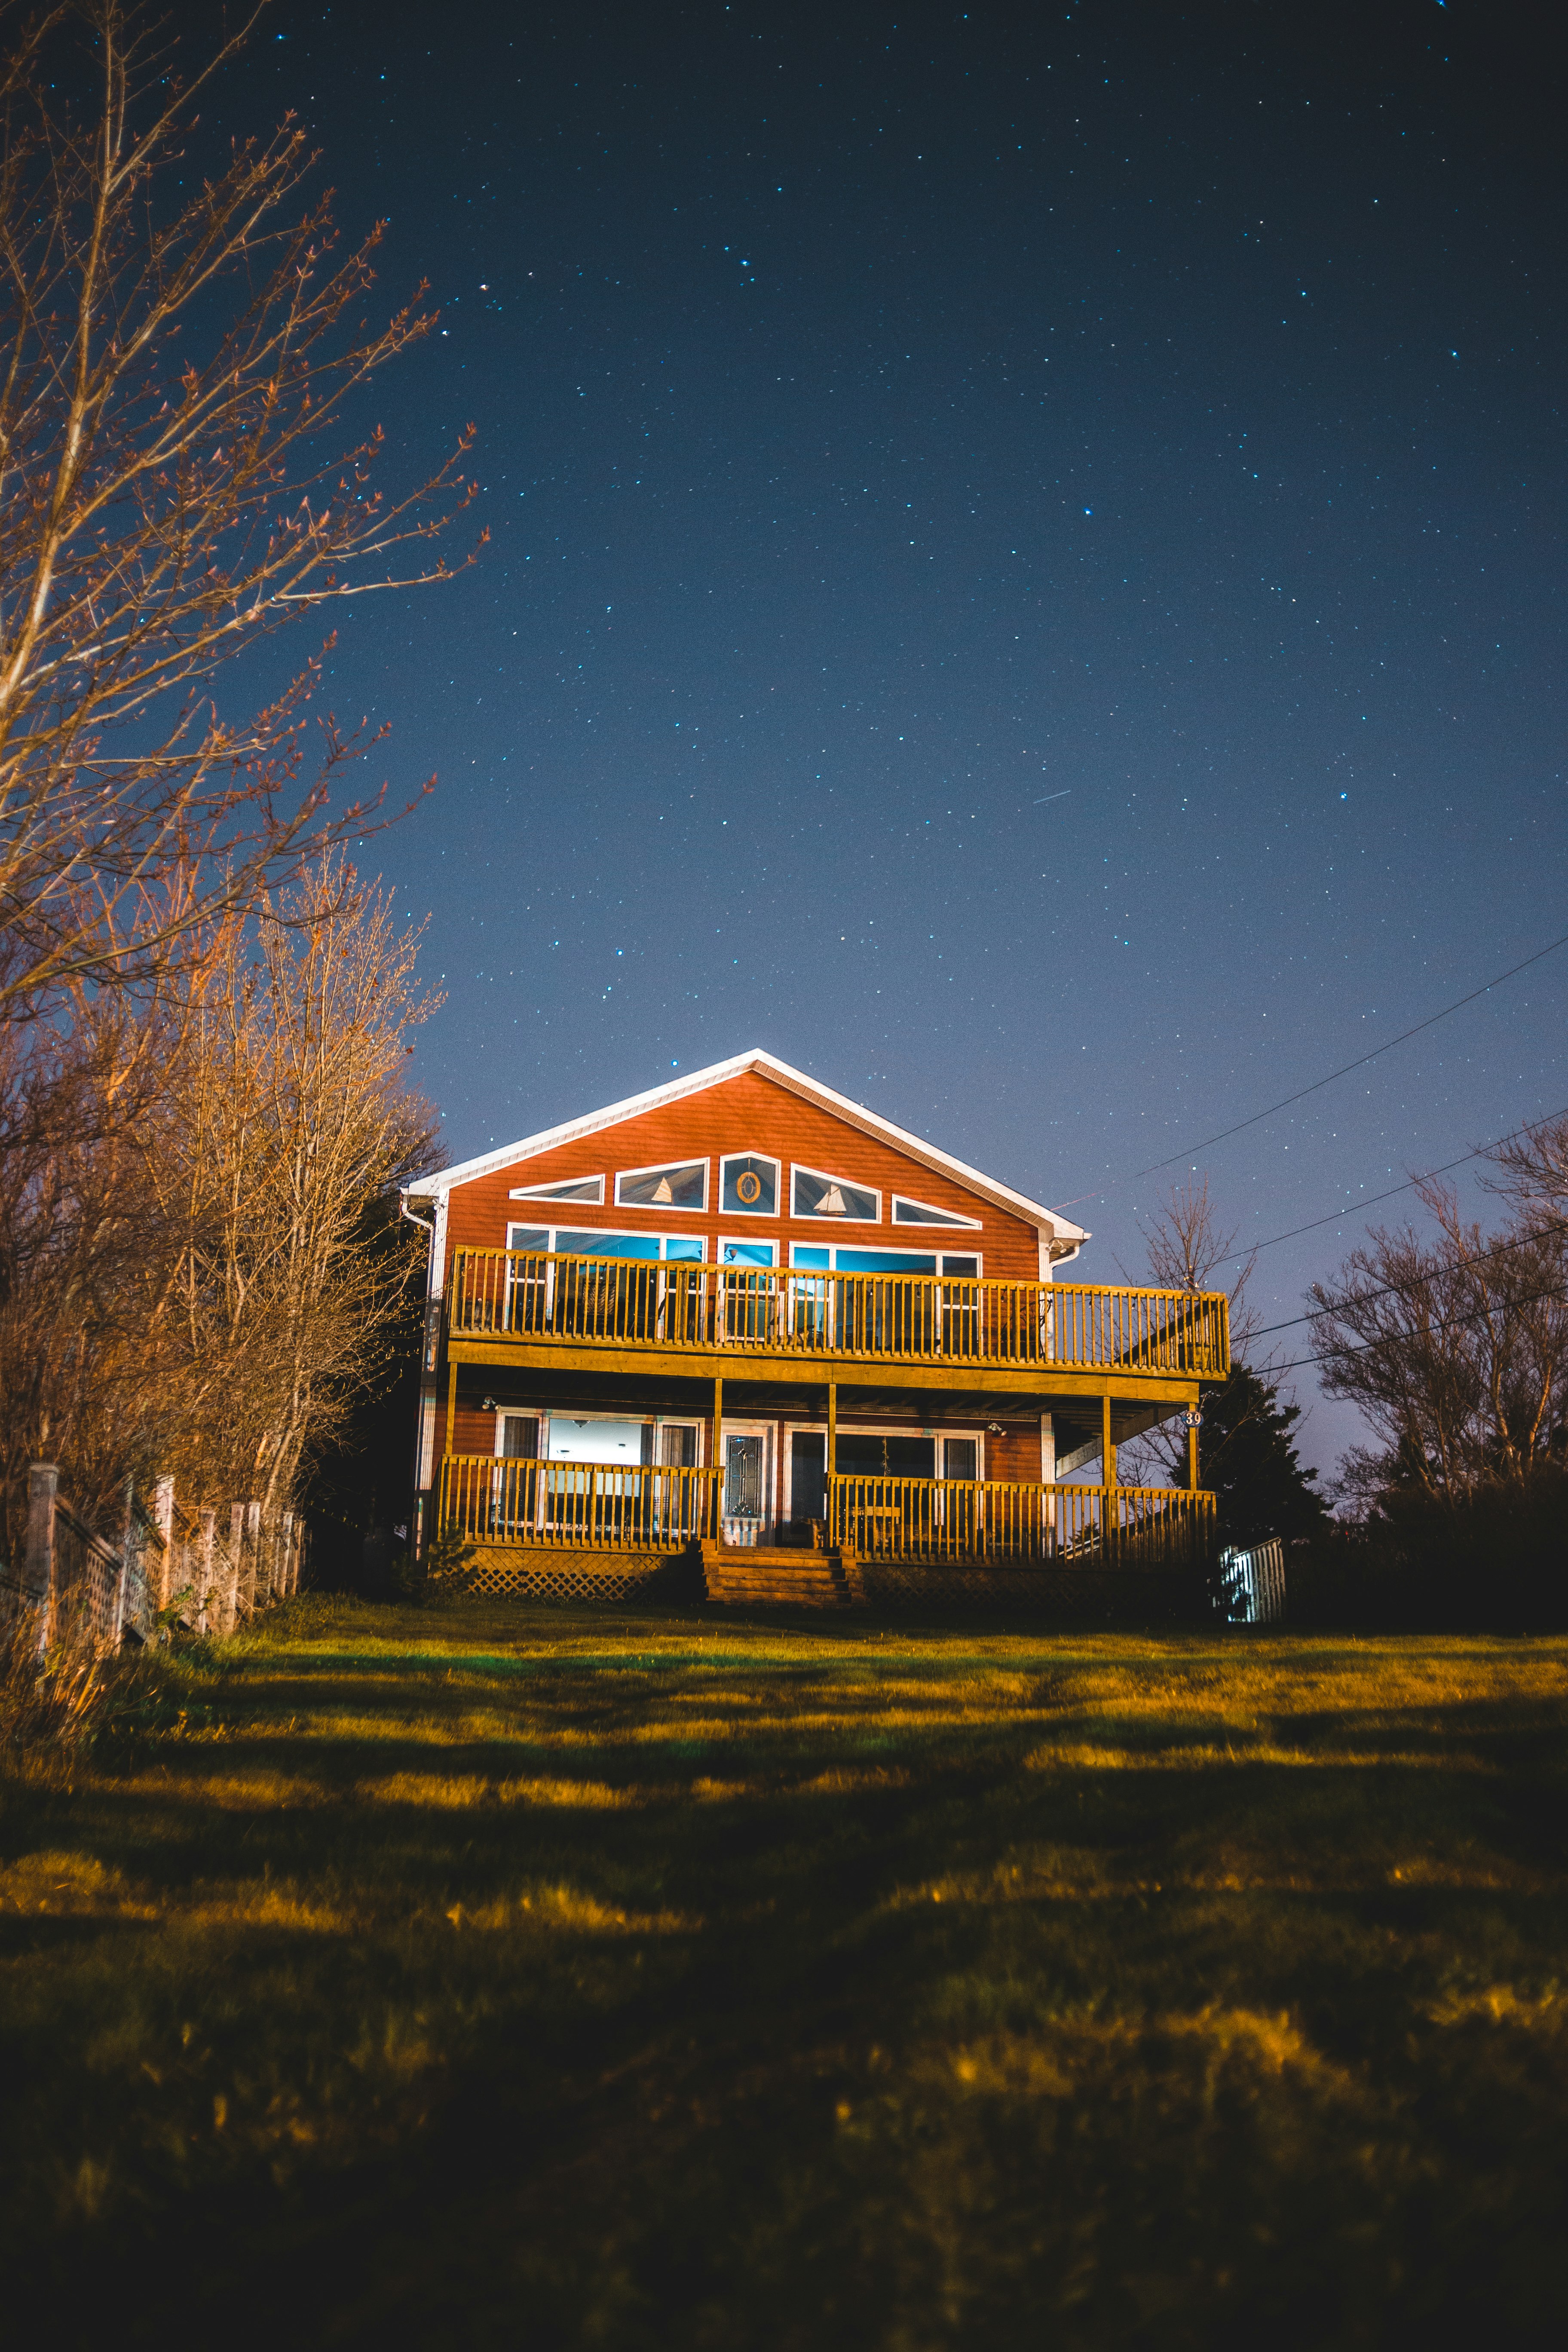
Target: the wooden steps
pixel 758 1576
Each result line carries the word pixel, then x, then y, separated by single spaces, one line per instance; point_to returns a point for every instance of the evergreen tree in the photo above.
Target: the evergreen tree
pixel 1247 1457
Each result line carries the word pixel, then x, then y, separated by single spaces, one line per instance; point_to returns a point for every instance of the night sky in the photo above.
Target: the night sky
pixel 1026 572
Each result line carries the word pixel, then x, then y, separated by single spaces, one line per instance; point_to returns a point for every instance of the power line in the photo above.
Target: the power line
pixel 1337 1216
pixel 1333 1355
pixel 1318 1084
pixel 1403 1289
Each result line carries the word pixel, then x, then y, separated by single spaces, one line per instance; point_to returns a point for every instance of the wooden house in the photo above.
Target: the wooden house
pixel 741 1314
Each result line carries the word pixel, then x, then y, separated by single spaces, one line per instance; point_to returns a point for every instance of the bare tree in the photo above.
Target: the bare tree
pixel 1186 1246
pixel 287 1128
pixel 1454 1346
pixel 174 373
pixel 1534 1168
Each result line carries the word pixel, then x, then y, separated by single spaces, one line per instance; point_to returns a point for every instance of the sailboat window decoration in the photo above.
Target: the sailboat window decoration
pixel 682 1185
pixel 819 1195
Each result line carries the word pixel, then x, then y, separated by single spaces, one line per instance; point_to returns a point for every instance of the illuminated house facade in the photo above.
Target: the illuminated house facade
pixel 741 1314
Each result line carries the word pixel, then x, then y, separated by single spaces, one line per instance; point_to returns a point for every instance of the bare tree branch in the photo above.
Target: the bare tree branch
pixel 176 487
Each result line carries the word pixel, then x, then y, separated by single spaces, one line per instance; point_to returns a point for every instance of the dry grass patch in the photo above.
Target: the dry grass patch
pixel 683 1983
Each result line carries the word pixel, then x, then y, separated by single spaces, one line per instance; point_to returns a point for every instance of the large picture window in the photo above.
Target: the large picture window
pixel 542 1240
pixel 819 1195
pixel 683 1184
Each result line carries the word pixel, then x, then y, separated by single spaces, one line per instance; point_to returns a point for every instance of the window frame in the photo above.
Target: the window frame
pixel 821 1176
pixel 935 1221
pixel 555 1192
pixel 728 1159
pixel 693 1246
pixel 938 1274
pixel 665 1167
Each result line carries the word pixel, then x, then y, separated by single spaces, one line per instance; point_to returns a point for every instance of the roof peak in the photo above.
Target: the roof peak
pixel 755 1058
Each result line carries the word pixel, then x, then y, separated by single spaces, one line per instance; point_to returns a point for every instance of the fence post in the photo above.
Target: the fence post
pixel 228 1604
pixel 288 1555
pixel 250 1547
pixel 38 1566
pixel 163 1520
pixel 207 1520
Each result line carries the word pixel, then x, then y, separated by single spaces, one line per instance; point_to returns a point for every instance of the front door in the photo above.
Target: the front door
pixel 742 1487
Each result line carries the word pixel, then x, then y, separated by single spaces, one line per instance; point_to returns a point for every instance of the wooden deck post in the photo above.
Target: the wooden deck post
pixel 1193 1449
pixel 451 1401
pixel 830 1459
pixel 1108 1469
pixel 715 1457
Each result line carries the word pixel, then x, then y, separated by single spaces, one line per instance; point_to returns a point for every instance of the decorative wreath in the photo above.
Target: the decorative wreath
pixel 750 1187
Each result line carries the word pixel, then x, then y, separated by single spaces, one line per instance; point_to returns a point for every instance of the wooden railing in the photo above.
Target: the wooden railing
pixel 589 1505
pixel 786 1310
pixel 486 1498
pixel 1014 1520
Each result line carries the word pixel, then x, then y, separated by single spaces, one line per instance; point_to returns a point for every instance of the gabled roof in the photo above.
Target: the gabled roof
pixel 1058 1228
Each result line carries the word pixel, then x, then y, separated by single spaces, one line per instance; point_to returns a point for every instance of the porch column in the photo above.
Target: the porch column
pixel 715 1456
pixel 834 1534
pixel 1192 1448
pixel 451 1402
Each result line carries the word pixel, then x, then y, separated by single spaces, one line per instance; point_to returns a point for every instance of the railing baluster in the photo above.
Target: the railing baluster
pixel 543 1296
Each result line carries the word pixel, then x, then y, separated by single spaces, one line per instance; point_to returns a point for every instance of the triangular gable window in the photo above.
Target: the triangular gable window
pixel 575 1188
pixel 921 1212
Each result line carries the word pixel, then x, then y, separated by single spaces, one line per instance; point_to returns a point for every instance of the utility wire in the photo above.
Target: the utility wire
pixel 1318 1084
pixel 1338 1216
pixel 1403 1289
pixel 1333 1355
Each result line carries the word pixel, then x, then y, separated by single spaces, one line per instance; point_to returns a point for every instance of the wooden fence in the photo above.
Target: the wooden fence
pixel 166 1558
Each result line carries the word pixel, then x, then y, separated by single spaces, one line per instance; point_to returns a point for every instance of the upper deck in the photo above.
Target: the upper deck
pixel 794 1324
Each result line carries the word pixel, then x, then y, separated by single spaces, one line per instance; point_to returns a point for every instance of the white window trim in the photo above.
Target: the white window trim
pixel 741 1240
pixel 943 1220
pixel 554 1192
pixel 617 1232
pixel 664 1168
pixel 793 1429
pixel 940 1275
pixel 806 1216
pixel 535 1413
pixel 728 1158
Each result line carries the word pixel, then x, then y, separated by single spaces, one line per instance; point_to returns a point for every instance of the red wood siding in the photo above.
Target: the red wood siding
pixel 746 1113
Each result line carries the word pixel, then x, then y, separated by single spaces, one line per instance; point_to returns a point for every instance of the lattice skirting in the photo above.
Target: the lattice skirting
pixel 1105 1596
pixel 550 1574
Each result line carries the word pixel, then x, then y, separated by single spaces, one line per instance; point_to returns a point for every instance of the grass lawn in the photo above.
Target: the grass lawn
pixel 482 1976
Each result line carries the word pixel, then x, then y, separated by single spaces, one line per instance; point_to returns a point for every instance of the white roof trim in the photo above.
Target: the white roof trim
pixel 869 1122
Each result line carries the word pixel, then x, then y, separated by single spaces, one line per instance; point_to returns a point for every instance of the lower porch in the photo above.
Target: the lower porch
pixel 532 1506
